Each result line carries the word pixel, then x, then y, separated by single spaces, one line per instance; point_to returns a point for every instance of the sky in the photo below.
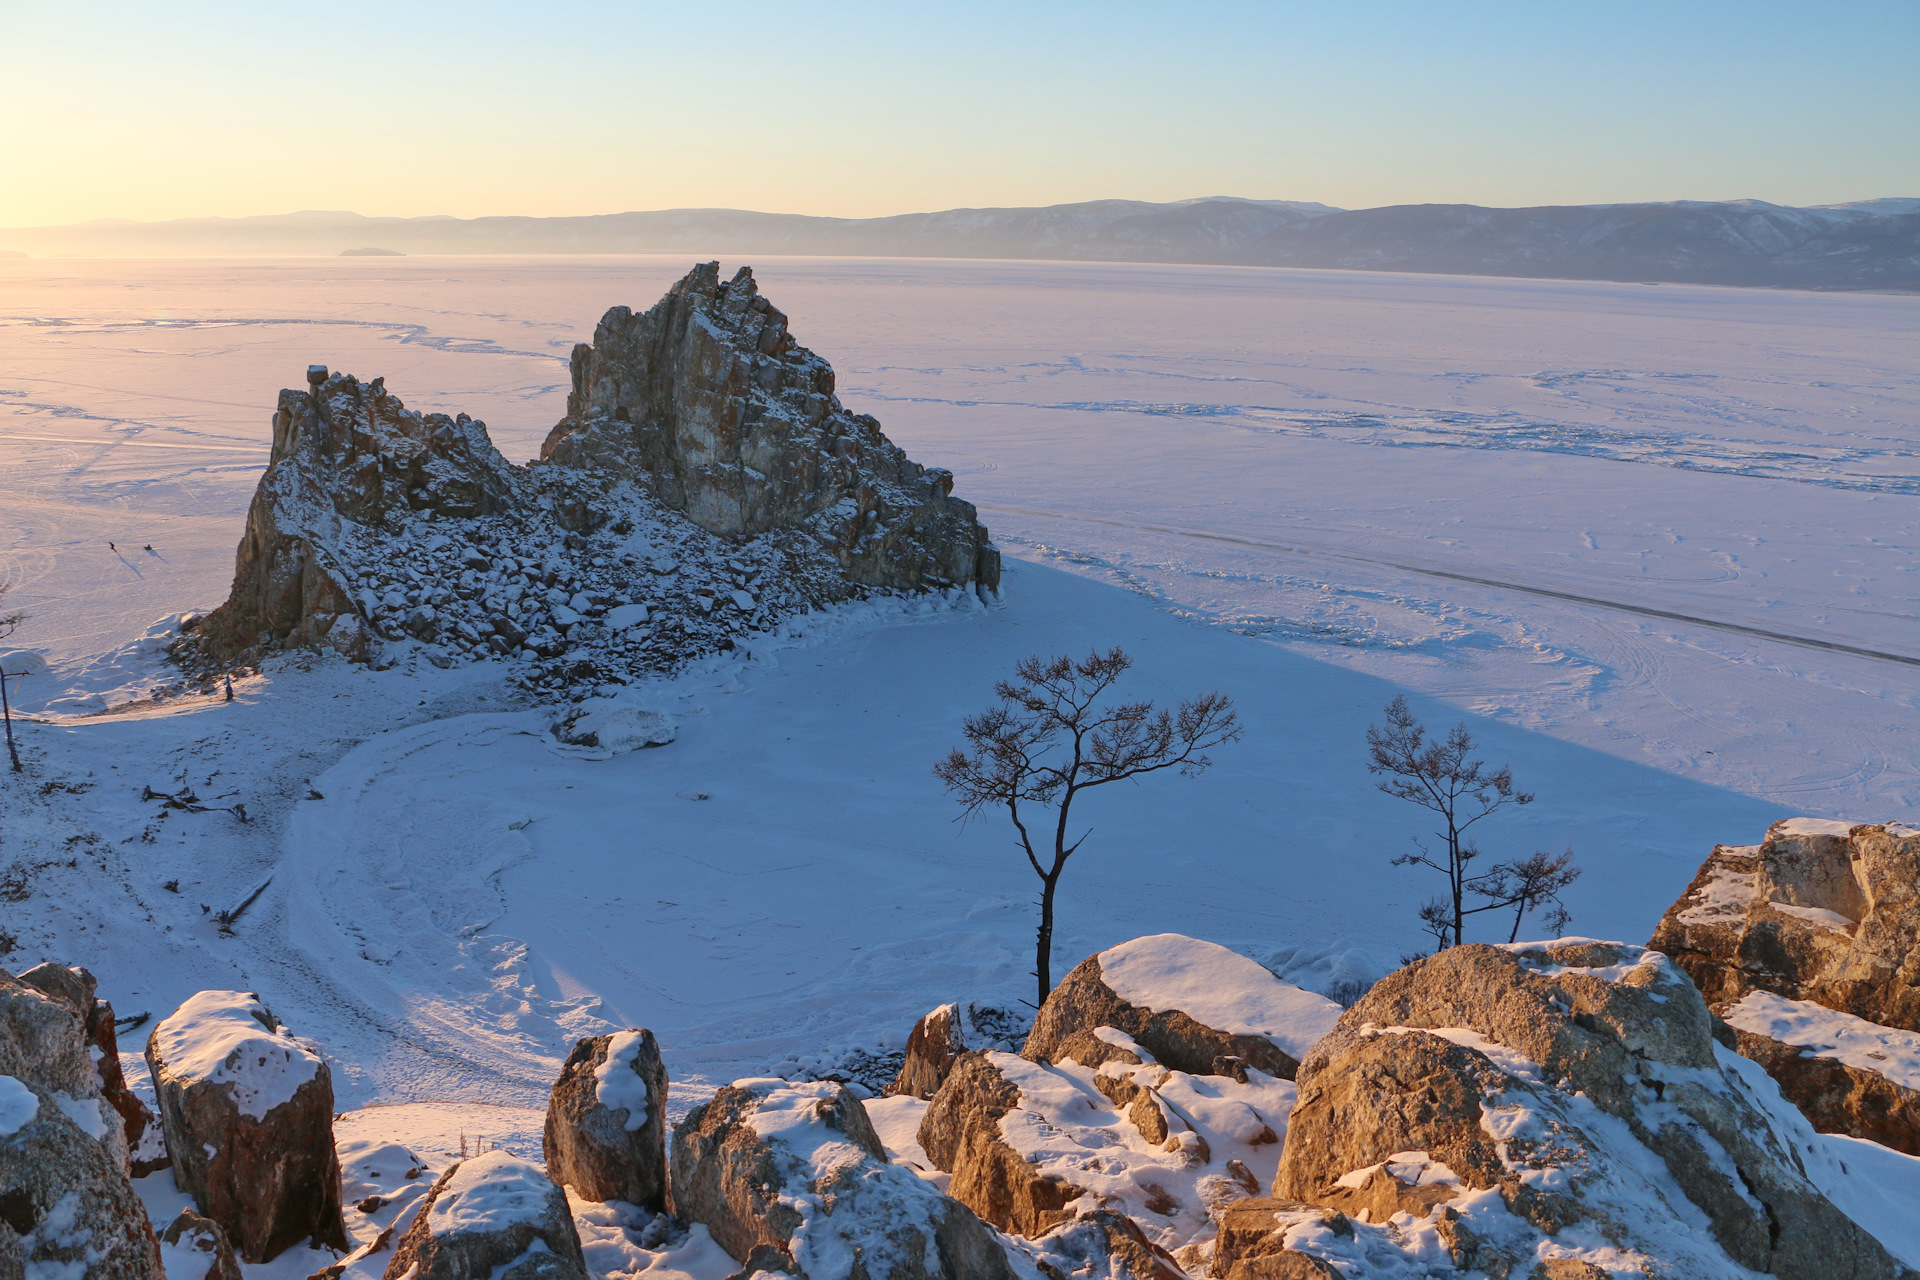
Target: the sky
pixel 196 108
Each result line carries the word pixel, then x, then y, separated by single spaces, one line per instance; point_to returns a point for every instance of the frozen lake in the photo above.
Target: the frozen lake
pixel 1673 524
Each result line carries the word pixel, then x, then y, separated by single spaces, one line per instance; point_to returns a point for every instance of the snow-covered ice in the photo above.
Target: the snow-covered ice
pixel 1654 544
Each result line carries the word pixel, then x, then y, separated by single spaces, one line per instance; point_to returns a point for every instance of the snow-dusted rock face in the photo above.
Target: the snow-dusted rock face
pixel 1558 1100
pixel 67 1208
pixel 735 424
pixel 792 1178
pixel 75 987
pixel 935 1043
pixel 1819 911
pixel 1103 1245
pixel 701 488
pixel 195 1248
pixel 1821 914
pixel 1031 1146
pixel 492 1217
pixel 1846 1074
pixel 607 1121
pixel 1189 1004
pixel 248 1116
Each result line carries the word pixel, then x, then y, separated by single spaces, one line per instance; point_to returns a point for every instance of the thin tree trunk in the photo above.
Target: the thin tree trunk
pixel 1043 950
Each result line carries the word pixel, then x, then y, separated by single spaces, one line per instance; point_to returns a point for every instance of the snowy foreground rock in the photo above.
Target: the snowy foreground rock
pixel 1493 1109
pixel 1804 944
pixel 248 1116
pixel 67 1207
pixel 792 1178
pixel 705 484
pixel 607 1121
pixel 495 1216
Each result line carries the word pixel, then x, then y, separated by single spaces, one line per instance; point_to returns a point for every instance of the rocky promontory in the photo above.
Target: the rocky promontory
pixel 705 484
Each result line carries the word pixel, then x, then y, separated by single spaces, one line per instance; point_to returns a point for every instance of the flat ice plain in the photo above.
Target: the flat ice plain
pixel 1654 542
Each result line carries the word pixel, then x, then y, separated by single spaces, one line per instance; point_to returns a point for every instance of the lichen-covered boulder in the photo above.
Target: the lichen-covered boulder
pixel 248 1114
pixel 491 1217
pixel 1562 1100
pixel 607 1121
pixel 75 987
pixel 67 1208
pixel 791 1177
pixel 1195 1006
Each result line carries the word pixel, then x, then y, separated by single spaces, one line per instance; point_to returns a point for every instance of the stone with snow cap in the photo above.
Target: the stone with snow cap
pixel 75 987
pixel 935 1042
pixel 1187 1002
pixel 248 1116
pixel 792 1178
pixel 1568 1094
pixel 491 1217
pixel 195 1248
pixel 607 1121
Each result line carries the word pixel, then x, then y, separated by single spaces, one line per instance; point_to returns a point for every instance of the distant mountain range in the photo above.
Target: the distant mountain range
pixel 1867 244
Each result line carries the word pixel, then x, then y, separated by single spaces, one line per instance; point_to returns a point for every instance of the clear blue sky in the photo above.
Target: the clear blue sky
pixel 188 108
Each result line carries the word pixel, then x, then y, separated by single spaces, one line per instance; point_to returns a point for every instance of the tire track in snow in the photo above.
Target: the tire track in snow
pixel 1328 553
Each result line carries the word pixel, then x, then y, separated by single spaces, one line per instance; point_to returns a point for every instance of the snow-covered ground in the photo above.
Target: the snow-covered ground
pixel 1654 543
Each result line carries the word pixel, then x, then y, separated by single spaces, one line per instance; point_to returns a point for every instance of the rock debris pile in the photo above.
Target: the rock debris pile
pixel 1804 944
pixel 706 484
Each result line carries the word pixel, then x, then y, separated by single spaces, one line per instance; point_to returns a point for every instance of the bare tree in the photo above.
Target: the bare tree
pixel 1442 776
pixel 1050 738
pixel 9 623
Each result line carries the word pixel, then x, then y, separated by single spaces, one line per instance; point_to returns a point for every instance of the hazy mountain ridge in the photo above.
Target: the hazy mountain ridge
pixel 1867 244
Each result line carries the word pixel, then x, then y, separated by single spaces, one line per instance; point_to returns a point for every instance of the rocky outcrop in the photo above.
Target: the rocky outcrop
pixel 1194 1006
pixel 607 1121
pixel 1252 1241
pixel 1818 911
pixel 492 1217
pixel 1575 1084
pixel 705 484
pixel 75 987
pixel 66 1205
pixel 248 1115
pixel 792 1178
pixel 1032 1146
pixel 195 1248
pixel 1820 914
pixel 732 422
pixel 935 1043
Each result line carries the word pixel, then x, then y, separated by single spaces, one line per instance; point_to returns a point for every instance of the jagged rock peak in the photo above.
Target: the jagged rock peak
pixel 737 425
pixel 705 485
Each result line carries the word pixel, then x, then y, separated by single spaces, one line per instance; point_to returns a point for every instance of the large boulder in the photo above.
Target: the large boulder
pixel 492 1217
pixel 248 1114
pixel 791 1177
pixel 75 988
pixel 1560 1099
pixel 1818 911
pixel 1819 915
pixel 1103 1245
pixel 729 420
pixel 1195 1006
pixel 607 1121
pixel 1032 1146
pixel 67 1208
